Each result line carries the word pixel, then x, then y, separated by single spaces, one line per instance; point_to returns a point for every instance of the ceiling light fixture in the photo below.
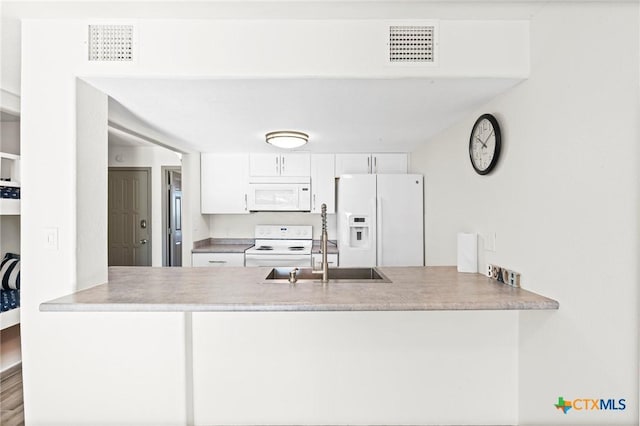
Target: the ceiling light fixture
pixel 288 139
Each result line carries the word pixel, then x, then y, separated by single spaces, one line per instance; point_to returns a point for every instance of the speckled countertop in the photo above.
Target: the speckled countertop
pixel 222 245
pixel 143 289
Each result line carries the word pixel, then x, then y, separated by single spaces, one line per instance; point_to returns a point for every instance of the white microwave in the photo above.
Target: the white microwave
pixel 280 195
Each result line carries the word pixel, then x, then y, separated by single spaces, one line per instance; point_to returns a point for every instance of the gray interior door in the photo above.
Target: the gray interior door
pixel 174 210
pixel 129 217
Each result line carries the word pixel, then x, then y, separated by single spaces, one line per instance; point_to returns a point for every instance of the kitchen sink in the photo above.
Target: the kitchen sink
pixel 335 275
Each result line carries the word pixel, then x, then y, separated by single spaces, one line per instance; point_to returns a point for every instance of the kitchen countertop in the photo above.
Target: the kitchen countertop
pixel 222 245
pixel 154 289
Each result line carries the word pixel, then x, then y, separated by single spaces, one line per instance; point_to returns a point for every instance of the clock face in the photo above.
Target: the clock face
pixel 484 144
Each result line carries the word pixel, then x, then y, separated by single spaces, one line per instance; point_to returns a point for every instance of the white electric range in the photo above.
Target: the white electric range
pixel 281 245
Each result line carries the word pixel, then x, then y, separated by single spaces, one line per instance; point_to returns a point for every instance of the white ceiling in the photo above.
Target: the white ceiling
pixel 340 115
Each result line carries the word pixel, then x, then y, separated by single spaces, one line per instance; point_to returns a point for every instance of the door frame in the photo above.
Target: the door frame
pixel 149 205
pixel 165 212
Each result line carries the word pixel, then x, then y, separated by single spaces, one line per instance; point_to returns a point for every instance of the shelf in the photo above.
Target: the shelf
pixel 9 206
pixel 9 318
pixel 10 169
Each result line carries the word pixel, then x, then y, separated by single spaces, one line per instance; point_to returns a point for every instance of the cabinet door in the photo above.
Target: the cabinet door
pixel 264 164
pixel 298 164
pixel 332 259
pixel 217 259
pixel 353 164
pixel 223 183
pixel 389 163
pixel 323 182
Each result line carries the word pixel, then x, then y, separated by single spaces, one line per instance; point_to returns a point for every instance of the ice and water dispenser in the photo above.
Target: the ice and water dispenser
pixel 359 232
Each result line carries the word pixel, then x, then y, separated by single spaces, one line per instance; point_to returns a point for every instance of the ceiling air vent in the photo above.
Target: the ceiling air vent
pixel 411 44
pixel 111 43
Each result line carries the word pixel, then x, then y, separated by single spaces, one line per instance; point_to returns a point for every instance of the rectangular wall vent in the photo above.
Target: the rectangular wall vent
pixel 411 43
pixel 111 42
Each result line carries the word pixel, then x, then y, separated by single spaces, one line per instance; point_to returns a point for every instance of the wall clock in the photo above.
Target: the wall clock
pixel 484 144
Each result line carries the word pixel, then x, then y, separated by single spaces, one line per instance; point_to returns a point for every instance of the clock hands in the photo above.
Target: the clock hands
pixel 484 144
pixel 485 141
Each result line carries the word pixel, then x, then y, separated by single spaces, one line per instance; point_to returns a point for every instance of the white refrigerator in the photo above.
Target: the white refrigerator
pixel 380 220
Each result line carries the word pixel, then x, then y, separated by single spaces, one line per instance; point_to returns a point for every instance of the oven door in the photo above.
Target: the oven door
pixel 278 260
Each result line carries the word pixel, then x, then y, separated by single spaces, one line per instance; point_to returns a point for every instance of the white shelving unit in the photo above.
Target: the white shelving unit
pixel 9 169
pixel 9 318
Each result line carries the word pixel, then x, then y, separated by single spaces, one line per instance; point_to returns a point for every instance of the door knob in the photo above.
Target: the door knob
pixel 143 241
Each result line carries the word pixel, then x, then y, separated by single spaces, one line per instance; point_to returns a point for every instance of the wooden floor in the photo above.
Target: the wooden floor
pixel 11 411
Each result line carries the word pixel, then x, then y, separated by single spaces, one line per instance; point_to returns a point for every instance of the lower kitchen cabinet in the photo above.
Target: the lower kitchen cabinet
pixel 332 259
pixel 217 259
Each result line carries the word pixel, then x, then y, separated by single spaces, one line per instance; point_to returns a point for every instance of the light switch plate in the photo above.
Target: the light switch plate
pixel 51 238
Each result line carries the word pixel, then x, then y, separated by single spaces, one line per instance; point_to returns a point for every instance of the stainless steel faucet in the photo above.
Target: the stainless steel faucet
pixel 323 248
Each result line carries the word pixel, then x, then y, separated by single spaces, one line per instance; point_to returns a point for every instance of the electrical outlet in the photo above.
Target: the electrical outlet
pixel 489 270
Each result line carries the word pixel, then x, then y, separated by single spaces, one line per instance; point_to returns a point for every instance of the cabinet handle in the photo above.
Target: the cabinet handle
pixel 375 164
pixel 217 261
pixel 314 202
pixel 368 164
pixel 245 202
pixel 282 164
pixel 277 164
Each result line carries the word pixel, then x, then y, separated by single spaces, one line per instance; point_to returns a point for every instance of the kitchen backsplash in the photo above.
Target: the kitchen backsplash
pixel 243 225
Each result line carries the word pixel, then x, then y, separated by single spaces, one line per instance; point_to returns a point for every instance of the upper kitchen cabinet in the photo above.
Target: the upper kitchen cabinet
pixel 293 164
pixel 323 183
pixel 383 163
pixel 223 183
pixel 389 163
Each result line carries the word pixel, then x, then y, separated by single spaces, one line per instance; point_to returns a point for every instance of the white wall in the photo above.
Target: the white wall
pixel 243 225
pixel 155 158
pixel 91 176
pixel 564 204
pixel 192 220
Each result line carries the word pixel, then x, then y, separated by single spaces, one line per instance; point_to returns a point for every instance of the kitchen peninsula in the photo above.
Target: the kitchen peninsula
pixel 219 346
pixel 245 289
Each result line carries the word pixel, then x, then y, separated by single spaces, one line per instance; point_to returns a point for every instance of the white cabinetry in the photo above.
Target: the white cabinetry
pixel 223 184
pixel 381 163
pixel 293 164
pixel 389 163
pixel 217 259
pixel 323 183
pixel 332 260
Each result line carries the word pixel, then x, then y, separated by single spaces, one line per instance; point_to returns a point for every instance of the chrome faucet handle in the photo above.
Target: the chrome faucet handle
pixel 293 278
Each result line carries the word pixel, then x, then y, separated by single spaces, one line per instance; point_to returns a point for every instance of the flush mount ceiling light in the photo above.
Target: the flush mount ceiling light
pixel 287 139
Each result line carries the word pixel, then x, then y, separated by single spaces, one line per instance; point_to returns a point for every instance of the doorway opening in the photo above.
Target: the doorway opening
pixel 172 216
